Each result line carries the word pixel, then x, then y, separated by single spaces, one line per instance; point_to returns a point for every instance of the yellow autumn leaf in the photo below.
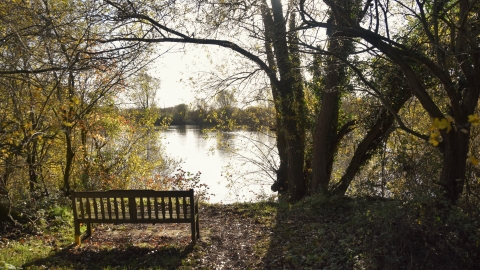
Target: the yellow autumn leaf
pixel 473 160
pixel 67 124
pixel 474 120
pixel 450 119
pixel 75 100
pixel 442 124
pixel 433 141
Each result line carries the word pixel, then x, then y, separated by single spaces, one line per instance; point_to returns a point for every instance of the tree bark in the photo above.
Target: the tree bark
pixel 281 184
pixel 452 179
pixel 290 104
pixel 324 133
pixel 69 156
pixel 327 120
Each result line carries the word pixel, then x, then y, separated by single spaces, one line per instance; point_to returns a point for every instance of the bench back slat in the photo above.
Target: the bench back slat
pixel 122 203
pixel 102 207
pixel 89 210
pixel 109 208
pixel 82 211
pixel 142 214
pixel 95 209
pixel 170 207
pixel 185 207
pixel 155 203
pixel 130 205
pixel 177 208
pixel 163 208
pixel 115 205
pixel 149 207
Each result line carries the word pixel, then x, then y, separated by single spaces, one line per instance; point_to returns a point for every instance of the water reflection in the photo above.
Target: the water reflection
pixel 224 159
pixel 181 129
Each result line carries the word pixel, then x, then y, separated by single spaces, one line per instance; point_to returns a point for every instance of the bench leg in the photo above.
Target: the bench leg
pixel 89 229
pixel 197 228
pixel 197 225
pixel 78 239
pixel 194 231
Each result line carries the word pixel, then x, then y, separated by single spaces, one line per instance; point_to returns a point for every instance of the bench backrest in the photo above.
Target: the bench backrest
pixel 133 205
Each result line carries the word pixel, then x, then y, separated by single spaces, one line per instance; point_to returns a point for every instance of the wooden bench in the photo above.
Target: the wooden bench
pixel 134 206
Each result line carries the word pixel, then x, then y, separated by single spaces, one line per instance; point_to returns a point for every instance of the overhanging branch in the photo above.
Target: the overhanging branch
pixel 188 40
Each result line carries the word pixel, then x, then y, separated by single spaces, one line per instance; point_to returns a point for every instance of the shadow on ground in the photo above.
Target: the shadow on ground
pixel 128 258
pixel 370 233
pixel 124 247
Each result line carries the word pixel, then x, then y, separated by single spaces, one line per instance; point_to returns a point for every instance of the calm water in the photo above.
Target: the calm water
pixel 237 166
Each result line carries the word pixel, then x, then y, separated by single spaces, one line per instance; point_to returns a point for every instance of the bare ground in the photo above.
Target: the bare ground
pixel 230 239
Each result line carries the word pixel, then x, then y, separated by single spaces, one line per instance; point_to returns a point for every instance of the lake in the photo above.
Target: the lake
pixel 238 166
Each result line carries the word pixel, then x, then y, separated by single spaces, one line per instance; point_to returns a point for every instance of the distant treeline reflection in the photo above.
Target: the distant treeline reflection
pixel 226 117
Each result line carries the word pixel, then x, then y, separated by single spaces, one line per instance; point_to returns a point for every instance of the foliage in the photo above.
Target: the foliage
pixel 181 180
pixel 61 127
pixel 374 233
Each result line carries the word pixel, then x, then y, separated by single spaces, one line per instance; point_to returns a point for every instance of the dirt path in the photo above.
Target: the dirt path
pixel 229 240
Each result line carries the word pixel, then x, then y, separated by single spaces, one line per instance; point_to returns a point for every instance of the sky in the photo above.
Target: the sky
pixel 175 68
pixel 184 65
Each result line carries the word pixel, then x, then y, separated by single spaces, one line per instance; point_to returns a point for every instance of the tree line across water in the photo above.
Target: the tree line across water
pixel 253 117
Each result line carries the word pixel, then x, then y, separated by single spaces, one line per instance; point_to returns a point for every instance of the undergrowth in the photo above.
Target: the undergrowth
pixel 373 233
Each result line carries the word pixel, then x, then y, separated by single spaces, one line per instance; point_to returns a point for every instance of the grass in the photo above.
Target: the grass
pixel 318 233
pixel 40 241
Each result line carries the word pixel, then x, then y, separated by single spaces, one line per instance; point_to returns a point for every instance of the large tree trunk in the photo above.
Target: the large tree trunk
pixel 291 100
pixel 454 163
pixel 327 120
pixel 325 131
pixel 396 95
pixel 69 156
pixel 367 147
pixel 295 150
pixel 281 184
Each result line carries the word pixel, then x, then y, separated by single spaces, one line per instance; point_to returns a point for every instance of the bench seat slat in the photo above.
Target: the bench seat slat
pixel 125 221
